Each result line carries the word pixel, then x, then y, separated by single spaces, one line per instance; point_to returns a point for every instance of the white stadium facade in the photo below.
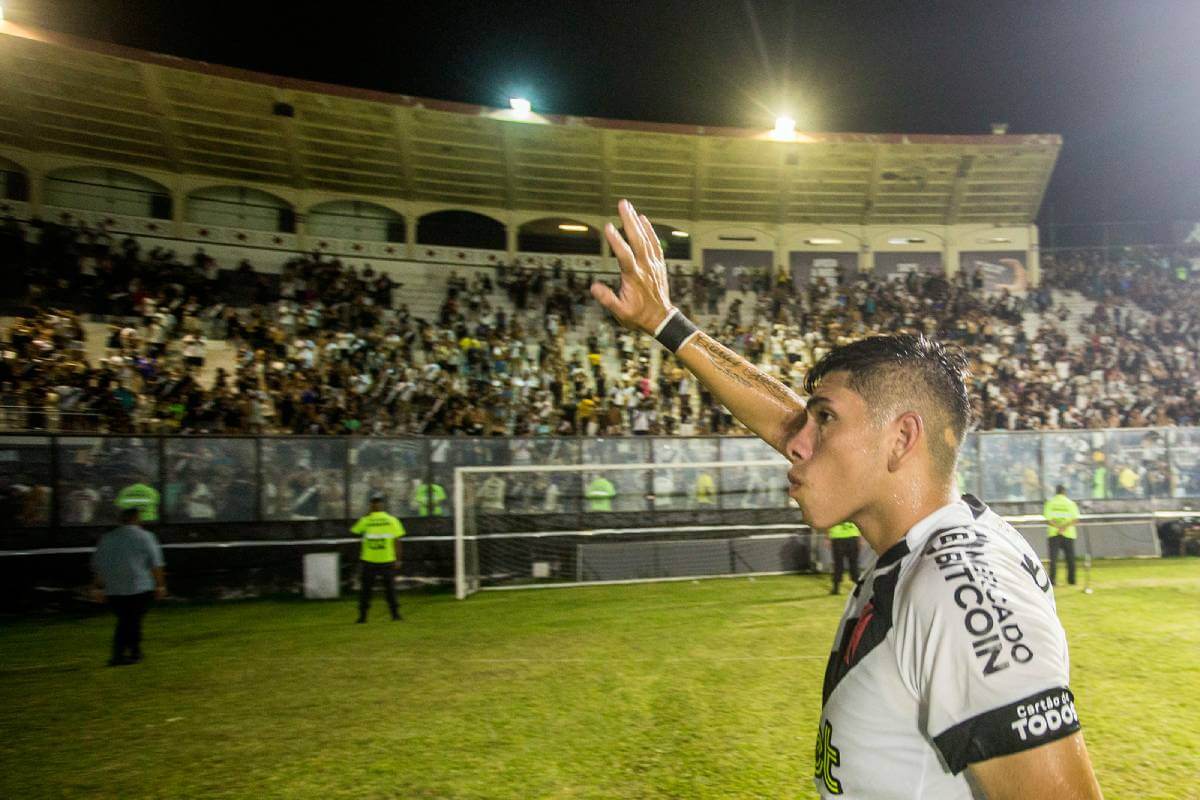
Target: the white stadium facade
pixel 161 147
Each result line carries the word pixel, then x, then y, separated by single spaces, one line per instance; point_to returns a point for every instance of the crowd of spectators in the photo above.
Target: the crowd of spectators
pixel 325 347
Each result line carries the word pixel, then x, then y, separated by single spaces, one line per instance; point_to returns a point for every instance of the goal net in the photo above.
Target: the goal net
pixel 570 525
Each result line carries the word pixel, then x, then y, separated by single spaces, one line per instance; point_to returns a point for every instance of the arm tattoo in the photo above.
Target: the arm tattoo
pixel 743 372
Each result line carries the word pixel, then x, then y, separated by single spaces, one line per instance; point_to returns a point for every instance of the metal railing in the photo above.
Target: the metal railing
pixel 47 419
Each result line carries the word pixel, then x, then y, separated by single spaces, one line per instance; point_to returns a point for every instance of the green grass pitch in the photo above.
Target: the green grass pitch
pixel 674 690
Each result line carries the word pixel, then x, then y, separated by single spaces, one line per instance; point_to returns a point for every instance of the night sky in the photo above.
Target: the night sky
pixel 1120 81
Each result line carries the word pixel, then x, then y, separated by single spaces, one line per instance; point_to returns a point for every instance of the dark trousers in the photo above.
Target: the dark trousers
pixel 1067 546
pixel 366 584
pixel 845 553
pixel 129 608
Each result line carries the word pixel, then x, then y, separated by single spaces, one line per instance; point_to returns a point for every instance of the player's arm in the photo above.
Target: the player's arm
pixel 1059 770
pixel 763 404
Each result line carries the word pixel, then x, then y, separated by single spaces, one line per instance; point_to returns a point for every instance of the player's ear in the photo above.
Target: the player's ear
pixel 907 431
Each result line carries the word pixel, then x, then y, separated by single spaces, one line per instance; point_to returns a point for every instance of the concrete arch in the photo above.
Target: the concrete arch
pixel 108 176
pixel 13 165
pixel 735 236
pixel 426 209
pixel 676 241
pixel 366 208
pixel 546 235
pixel 14 181
pixel 359 220
pixel 461 227
pixel 520 218
pixel 829 238
pixel 245 193
pixel 932 240
pixel 234 206
pixel 107 190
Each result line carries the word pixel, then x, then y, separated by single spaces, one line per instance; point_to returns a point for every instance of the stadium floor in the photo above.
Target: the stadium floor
pixel 678 690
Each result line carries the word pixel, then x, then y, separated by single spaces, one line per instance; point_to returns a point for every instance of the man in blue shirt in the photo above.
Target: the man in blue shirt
pixel 128 565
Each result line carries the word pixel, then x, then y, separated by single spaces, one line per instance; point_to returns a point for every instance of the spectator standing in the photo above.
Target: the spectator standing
pixel 129 573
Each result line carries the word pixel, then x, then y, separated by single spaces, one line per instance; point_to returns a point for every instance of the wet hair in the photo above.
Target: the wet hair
pixel 907 372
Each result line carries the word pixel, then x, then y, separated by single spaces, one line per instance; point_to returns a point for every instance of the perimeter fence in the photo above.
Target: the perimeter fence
pixel 238 513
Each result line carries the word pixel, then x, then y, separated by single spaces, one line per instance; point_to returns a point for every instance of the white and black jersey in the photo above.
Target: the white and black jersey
pixel 949 652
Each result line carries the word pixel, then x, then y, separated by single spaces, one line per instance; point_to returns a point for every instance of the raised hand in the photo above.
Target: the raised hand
pixel 644 299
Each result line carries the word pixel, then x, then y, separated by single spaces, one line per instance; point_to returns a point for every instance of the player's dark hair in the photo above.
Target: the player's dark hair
pixel 912 368
pixel 129 515
pixel 1060 489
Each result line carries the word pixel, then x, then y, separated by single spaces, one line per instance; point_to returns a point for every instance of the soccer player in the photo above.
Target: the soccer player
pixel 380 552
pixel 949 672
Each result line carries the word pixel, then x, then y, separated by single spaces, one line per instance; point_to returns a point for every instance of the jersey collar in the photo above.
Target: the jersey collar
pixel 957 514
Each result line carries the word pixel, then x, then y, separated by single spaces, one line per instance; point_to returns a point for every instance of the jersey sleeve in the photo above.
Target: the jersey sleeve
pixel 980 646
pixel 359 526
pixel 397 528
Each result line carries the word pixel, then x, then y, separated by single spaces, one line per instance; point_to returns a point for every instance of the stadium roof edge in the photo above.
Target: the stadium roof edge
pixel 299 84
pixel 83 101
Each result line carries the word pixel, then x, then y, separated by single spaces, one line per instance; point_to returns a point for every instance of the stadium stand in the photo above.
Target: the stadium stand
pixel 323 347
pixel 383 288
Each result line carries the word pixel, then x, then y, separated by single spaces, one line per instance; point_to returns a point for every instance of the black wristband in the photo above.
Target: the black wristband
pixel 675 331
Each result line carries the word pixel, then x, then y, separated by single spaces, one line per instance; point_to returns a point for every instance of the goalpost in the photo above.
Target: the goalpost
pixel 534 526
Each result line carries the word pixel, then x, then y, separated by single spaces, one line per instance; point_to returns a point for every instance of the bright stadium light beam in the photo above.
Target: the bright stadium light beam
pixel 571 227
pixel 680 234
pixel 520 105
pixel 785 128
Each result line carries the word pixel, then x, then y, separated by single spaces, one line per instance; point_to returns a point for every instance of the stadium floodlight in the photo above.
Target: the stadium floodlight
pixel 571 227
pixel 906 240
pixel 819 240
pixel 520 105
pixel 785 127
pixel 680 234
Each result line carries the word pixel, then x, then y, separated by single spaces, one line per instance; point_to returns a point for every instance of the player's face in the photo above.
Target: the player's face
pixel 837 457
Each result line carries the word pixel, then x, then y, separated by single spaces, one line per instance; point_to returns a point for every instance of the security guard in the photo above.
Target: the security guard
pixel 380 552
pixel 1061 514
pixel 427 499
pixel 141 496
pixel 600 493
pixel 1099 477
pixel 705 489
pixel 845 538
